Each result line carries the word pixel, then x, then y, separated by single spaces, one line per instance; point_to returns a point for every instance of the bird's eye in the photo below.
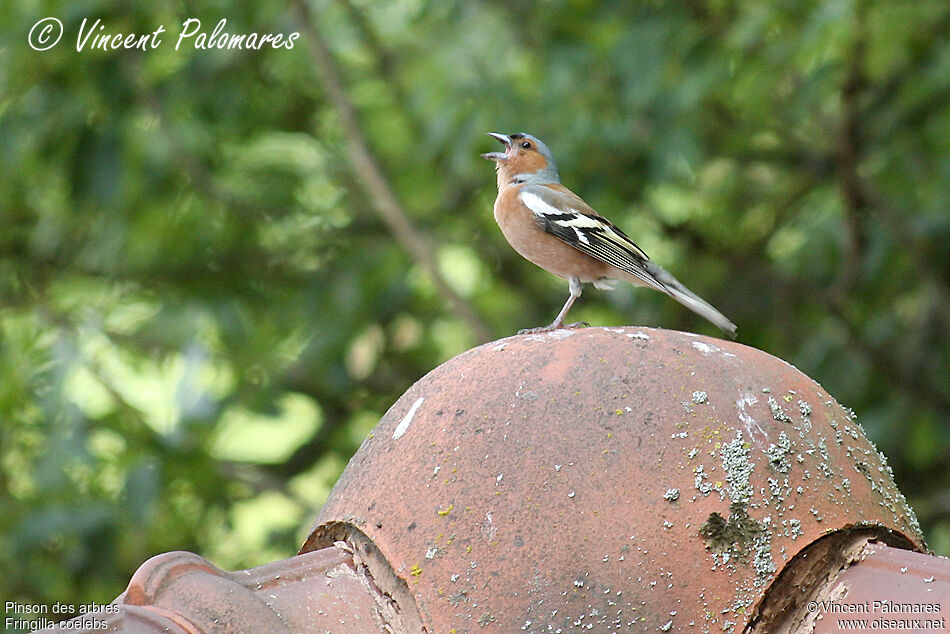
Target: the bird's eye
pixel 526 145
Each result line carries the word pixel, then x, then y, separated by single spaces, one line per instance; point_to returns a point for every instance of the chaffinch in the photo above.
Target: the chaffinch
pixel 552 227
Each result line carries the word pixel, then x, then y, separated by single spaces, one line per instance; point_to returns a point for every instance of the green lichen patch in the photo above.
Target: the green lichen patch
pixel 736 535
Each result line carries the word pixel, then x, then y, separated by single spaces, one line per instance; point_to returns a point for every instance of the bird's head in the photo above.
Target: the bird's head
pixel 525 160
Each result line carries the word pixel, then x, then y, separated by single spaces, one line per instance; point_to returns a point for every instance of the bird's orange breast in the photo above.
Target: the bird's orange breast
pixel 520 227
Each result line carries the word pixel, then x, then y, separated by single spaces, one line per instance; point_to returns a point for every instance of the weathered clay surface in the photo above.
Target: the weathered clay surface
pixel 622 479
pixel 182 593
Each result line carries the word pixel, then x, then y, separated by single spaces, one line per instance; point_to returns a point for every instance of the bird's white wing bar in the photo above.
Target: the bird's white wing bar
pixel 588 233
pixel 566 218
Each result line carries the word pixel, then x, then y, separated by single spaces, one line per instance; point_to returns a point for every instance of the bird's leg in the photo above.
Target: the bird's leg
pixel 576 289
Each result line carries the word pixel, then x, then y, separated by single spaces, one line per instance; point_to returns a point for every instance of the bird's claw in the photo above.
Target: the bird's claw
pixel 534 331
pixel 551 327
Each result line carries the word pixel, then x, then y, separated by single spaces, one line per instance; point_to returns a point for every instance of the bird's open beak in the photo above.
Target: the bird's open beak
pixel 498 156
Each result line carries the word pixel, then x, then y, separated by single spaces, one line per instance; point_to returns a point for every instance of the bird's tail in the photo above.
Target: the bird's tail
pixel 672 287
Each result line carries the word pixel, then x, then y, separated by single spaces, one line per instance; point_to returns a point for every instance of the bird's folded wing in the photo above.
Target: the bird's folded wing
pixel 567 217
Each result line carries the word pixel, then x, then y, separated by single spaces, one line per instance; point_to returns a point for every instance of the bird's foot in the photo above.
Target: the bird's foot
pixel 554 326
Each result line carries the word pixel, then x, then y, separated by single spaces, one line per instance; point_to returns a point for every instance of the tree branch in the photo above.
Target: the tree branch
pixel 371 177
pixel 385 63
pixel 847 160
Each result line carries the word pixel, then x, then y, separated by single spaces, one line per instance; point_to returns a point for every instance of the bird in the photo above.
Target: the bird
pixel 552 227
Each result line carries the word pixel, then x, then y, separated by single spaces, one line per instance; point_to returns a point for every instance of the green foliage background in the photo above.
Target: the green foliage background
pixel 202 312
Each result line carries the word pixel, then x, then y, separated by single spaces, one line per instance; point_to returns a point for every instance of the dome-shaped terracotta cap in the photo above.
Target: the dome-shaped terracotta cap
pixel 623 479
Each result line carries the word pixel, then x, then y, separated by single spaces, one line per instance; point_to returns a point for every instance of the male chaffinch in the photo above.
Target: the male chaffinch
pixel 552 227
